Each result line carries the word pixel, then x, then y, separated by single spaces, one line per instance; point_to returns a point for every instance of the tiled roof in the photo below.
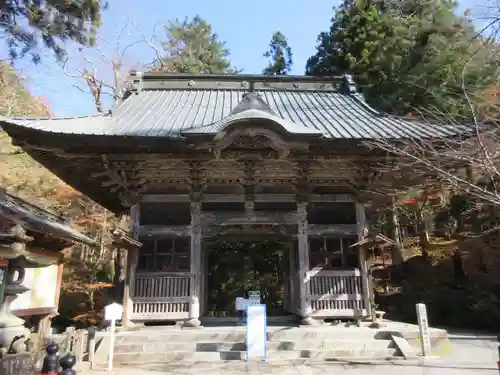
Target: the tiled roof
pixel 177 107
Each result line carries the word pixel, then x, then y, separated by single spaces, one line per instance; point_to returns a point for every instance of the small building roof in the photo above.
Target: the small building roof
pixel 176 105
pixel 37 219
pixel 376 240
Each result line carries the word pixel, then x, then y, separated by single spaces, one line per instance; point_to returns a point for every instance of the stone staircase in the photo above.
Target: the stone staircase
pixel 209 344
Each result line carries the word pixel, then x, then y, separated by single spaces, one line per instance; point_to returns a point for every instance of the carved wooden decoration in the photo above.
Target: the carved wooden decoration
pixel 256 142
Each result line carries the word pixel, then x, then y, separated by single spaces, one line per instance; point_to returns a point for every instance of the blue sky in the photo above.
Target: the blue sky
pixel 245 26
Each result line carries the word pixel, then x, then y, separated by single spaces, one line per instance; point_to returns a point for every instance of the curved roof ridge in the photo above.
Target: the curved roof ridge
pixel 252 114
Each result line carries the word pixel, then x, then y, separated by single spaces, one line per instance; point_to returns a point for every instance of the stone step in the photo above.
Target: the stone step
pixel 176 356
pixel 159 347
pixel 178 336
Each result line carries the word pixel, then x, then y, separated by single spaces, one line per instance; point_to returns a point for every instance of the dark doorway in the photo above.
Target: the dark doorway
pixel 235 268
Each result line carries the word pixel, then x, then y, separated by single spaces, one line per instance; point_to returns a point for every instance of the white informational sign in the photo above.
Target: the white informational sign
pixel 256 332
pixel 113 313
pixel 423 328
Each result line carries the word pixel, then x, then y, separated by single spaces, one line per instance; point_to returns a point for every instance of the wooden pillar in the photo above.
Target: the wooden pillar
pixel 303 254
pixel 365 277
pixel 195 261
pixel 285 271
pixel 131 266
pixel 204 291
pixel 292 256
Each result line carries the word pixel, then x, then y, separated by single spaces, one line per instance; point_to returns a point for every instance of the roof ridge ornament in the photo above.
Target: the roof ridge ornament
pixel 251 100
pixel 348 85
pixel 136 82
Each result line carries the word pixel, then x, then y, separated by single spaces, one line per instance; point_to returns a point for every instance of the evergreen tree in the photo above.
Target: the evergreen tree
pixel 27 24
pixel 407 54
pixel 192 47
pixel 279 55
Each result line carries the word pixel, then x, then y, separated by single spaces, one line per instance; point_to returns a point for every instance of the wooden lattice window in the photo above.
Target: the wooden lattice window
pixel 332 253
pixel 165 254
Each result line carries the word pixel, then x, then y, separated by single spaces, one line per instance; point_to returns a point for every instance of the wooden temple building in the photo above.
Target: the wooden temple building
pixel 198 159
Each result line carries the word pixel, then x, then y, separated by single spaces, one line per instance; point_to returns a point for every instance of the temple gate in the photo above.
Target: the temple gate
pixel 199 158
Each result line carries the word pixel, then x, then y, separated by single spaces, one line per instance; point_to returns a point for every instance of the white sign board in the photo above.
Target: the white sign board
pixel 423 327
pixel 43 285
pixel 256 332
pixel 113 312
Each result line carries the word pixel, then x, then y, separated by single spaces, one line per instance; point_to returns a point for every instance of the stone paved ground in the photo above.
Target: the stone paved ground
pixel 306 369
pixel 468 355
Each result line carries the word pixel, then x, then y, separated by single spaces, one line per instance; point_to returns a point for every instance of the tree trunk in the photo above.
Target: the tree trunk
pixel 397 250
pixel 458 268
pixel 423 234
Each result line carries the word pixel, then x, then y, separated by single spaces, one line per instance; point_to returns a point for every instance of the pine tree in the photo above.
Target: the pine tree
pixel 407 55
pixel 279 55
pixel 192 47
pixel 27 24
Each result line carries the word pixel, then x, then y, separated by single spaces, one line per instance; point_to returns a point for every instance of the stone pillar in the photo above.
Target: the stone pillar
pixel 303 254
pixel 195 260
pixel 365 284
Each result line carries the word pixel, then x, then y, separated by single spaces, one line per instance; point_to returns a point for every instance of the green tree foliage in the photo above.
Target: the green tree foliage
pixel 192 47
pixel 27 24
pixel 279 55
pixel 407 55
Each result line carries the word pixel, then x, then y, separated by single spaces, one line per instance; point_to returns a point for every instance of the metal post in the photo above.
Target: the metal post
pixel 91 346
pixel 67 363
pixel 112 333
pixel 51 361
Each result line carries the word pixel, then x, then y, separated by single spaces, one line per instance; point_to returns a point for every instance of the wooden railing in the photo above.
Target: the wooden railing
pixel 336 293
pixel 161 295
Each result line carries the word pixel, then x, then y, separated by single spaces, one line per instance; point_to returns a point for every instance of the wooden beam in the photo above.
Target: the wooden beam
pixel 331 198
pixel 216 218
pixel 165 230
pixel 261 198
pixel 332 229
pixel 164 198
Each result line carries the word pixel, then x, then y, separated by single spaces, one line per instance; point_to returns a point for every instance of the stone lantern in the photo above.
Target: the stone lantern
pixel 13 334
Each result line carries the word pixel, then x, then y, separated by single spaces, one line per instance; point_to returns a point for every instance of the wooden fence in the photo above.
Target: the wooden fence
pixel 19 364
pixel 73 340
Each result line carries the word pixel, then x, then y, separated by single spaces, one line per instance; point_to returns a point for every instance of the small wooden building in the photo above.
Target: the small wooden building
pixel 197 158
pixel 31 241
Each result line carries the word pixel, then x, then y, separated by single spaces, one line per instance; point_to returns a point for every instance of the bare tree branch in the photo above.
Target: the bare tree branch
pixel 106 75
